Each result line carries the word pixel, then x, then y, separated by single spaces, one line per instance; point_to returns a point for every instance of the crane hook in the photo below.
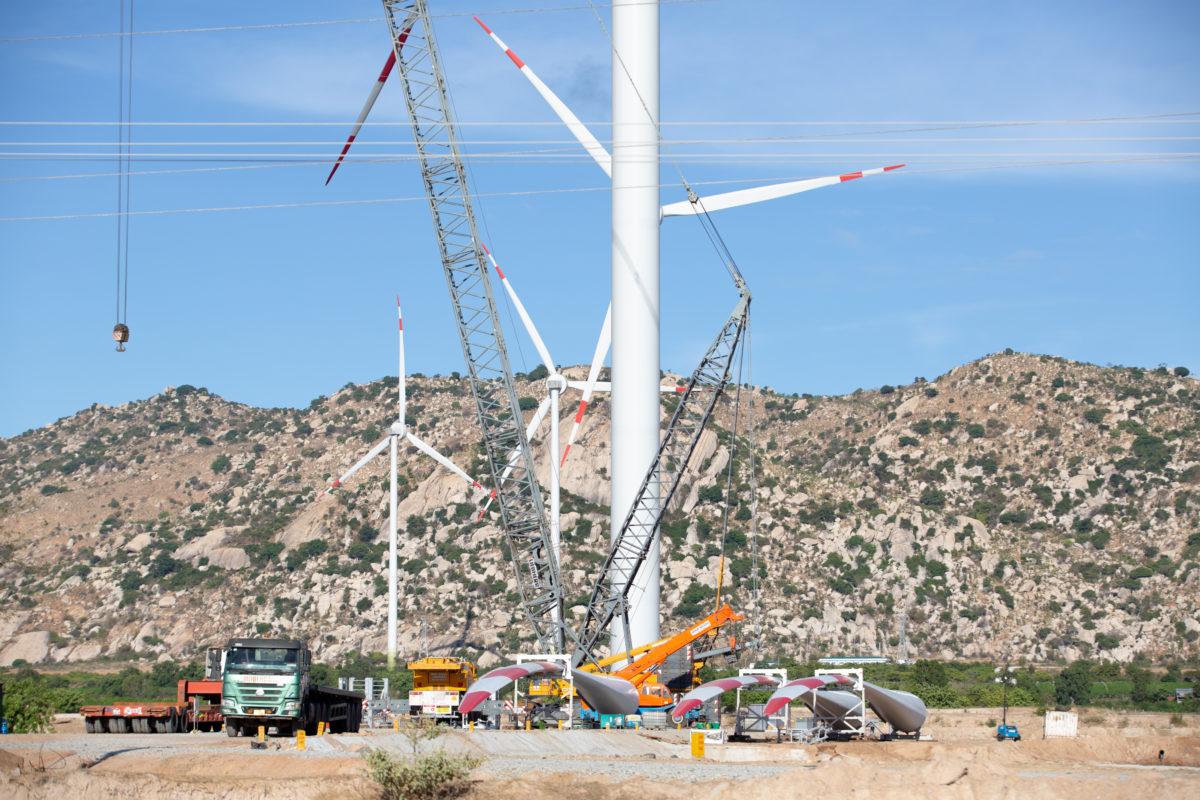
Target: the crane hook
pixel 120 336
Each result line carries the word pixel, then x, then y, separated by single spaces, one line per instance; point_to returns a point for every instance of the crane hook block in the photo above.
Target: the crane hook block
pixel 120 336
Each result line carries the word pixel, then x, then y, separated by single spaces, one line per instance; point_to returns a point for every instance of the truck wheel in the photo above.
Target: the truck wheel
pixel 88 726
pixel 232 730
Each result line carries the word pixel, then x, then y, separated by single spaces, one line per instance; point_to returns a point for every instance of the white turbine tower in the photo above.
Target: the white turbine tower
pixel 636 213
pixel 396 433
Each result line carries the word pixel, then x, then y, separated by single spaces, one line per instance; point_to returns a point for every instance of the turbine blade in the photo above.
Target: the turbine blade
pixel 577 128
pixel 522 313
pixel 400 319
pixel 374 451
pixel 515 455
pixel 441 459
pixel 598 386
pixel 362 116
pixel 743 197
pixel 602 345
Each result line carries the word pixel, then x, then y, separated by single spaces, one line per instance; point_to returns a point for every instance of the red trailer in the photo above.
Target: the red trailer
pixel 197 706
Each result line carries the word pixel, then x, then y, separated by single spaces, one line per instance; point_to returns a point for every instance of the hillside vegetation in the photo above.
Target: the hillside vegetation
pixel 1018 507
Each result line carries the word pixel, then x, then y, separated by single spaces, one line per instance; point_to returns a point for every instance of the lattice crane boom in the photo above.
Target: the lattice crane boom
pixel 517 492
pixel 632 544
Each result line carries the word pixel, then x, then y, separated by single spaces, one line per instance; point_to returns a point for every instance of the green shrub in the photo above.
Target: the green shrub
pixel 933 498
pixel 220 464
pixel 29 707
pixel 434 775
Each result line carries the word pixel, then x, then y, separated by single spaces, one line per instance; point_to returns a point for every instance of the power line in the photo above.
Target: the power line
pixel 317 23
pixel 674 142
pixel 308 163
pixel 1178 118
pixel 563 157
pixel 579 190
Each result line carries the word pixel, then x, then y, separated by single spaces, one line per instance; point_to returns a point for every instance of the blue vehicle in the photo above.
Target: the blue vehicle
pixel 1009 732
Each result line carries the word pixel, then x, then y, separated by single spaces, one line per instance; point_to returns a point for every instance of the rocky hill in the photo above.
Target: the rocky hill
pixel 1019 506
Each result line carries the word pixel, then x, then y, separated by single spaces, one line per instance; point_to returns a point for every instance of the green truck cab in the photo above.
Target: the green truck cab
pixel 266 683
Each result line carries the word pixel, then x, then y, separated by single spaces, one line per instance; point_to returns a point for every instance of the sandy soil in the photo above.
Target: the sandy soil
pixel 1115 756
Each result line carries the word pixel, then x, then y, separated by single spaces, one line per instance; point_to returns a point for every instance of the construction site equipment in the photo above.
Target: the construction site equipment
pixel 496 403
pixel 120 336
pixel 267 684
pixel 656 690
pixel 505 440
pixel 1007 733
pixel 611 588
pixel 197 707
pixel 438 686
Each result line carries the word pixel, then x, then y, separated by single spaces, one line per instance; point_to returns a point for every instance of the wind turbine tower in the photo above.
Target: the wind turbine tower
pixel 635 288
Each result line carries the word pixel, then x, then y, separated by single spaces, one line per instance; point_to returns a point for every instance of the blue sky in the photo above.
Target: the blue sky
pixel 1067 238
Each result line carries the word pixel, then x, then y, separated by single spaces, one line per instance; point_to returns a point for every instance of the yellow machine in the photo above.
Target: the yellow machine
pixel 641 672
pixel 438 685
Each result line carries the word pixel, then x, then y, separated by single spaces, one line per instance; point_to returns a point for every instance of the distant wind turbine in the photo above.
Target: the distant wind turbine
pixel 397 433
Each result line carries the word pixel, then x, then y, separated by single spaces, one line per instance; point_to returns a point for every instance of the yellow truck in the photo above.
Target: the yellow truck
pixel 438 686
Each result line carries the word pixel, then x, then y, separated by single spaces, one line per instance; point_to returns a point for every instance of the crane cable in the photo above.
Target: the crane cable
pixel 124 180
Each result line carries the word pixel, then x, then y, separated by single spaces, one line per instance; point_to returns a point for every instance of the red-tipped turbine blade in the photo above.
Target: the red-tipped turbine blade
pixel 602 345
pixel 362 117
pixel 530 328
pixel 577 128
pixel 743 197
pixel 362 462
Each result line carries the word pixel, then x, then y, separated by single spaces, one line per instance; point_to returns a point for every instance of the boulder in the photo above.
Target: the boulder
pixel 33 647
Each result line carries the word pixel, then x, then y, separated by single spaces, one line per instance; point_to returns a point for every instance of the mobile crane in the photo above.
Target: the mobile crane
pixel 518 495
pixel 644 671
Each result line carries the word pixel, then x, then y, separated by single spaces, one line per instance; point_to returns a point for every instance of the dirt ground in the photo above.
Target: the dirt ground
pixel 1115 756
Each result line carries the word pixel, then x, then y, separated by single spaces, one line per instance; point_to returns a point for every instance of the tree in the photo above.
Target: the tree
pixel 933 498
pixel 220 464
pixel 1140 693
pixel 1073 686
pixel 29 707
pixel 927 672
pixel 1182 372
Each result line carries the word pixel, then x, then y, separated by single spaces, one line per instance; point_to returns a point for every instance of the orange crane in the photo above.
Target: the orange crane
pixel 642 672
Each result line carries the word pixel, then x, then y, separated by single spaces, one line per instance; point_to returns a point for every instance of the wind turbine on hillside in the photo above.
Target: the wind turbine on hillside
pixel 396 433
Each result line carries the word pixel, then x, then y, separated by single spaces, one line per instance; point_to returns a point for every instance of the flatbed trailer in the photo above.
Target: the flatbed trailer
pixel 197 706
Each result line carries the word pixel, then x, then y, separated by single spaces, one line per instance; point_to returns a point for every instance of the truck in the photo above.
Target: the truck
pixel 438 686
pixel 267 683
pixel 197 707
